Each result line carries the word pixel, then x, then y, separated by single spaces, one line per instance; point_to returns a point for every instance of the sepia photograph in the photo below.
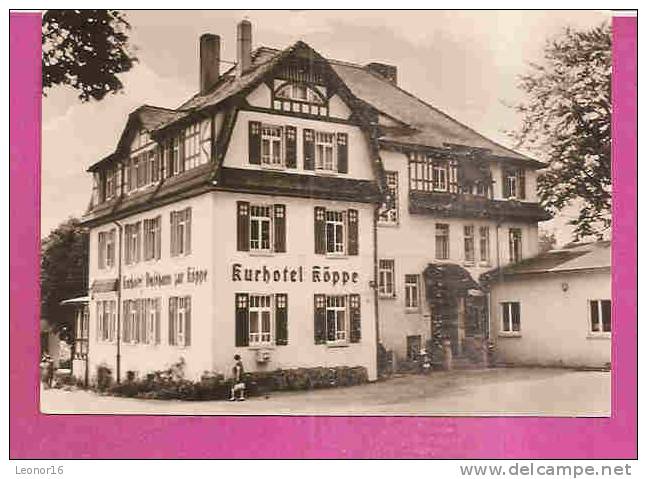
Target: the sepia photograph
pixel 326 213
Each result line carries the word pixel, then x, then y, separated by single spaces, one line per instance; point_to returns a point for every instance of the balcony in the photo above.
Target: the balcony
pixel 471 206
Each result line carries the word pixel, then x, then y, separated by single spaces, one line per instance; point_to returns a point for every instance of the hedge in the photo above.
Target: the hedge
pixel 171 384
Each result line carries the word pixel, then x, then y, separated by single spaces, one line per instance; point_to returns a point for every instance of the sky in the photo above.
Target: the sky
pixel 466 63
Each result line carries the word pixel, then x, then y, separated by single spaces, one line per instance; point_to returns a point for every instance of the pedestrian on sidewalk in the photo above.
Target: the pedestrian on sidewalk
pixel 238 387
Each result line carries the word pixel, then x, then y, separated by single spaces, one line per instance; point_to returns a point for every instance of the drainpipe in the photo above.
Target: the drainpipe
pixel 119 259
pixel 375 296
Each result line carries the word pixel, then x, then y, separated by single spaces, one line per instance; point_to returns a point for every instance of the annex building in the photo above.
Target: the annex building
pixel 298 211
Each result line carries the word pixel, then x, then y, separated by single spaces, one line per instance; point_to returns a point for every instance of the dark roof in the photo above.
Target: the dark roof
pixel 424 124
pixel 574 257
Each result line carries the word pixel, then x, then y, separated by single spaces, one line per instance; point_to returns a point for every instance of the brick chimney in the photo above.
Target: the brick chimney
pixel 388 72
pixel 243 47
pixel 209 61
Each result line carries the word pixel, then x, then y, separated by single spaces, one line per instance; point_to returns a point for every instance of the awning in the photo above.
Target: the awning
pixel 104 285
pixel 73 301
pixel 451 277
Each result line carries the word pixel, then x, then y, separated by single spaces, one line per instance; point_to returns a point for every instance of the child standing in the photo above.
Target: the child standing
pixel 238 387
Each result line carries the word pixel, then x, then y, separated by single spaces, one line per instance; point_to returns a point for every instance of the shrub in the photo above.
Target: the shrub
pixel 171 384
pixel 104 377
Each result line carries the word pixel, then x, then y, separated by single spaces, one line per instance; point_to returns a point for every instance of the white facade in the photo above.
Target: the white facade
pixel 555 319
pixel 410 243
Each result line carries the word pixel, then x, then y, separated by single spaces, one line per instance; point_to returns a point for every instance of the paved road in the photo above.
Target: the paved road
pixel 518 391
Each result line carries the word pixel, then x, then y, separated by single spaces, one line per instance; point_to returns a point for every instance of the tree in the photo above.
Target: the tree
pixel 86 49
pixel 547 241
pixel 566 118
pixel 63 274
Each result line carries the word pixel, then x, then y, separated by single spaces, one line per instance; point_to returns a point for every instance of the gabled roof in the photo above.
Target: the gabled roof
pixel 427 125
pixel 574 257
pixel 147 117
pixel 420 124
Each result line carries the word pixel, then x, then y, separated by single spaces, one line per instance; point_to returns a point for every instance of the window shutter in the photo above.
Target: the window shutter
pixel 242 319
pixel 521 187
pixel 99 321
pixel 353 232
pixel 102 187
pixel 320 318
pixel 158 238
pixel 181 150
pixel 158 331
pixel 308 149
pixel 138 236
pixel 290 147
pixel 255 142
pixel 101 249
pixel 187 229
pixel 242 230
pixel 125 332
pixel 342 152
pixel 172 315
pixel 173 233
pixel 355 319
pixel 187 321
pixel 320 230
pixel 279 228
pixel 281 315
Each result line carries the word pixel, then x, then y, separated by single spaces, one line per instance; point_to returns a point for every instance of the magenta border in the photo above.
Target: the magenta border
pixel 34 435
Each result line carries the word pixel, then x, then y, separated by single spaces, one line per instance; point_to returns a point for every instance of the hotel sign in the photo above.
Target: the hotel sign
pixel 316 274
pixel 191 275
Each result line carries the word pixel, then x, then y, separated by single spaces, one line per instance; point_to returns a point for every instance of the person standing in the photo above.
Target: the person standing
pixel 238 387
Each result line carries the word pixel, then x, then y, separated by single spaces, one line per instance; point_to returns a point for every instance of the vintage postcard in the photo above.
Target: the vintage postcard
pixel 328 213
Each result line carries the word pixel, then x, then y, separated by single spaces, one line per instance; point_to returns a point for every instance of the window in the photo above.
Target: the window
pixel 336 318
pixel 106 243
pixel 439 176
pixel 180 321
pixel 600 314
pixel 430 173
pixel 514 240
pixel 181 232
pixel 335 225
pixel 271 145
pixel 510 317
pixel 260 319
pixel 111 183
pixel 153 172
pixel 325 151
pixel 336 232
pixel 414 345
pixel 152 238
pixel 468 239
pixel 484 244
pixel 389 213
pixel 514 183
pixel 191 146
pixel 300 98
pixel 386 275
pixel 141 321
pixel 442 241
pixel 412 291
pixel 133 242
pixel 260 228
pixel 176 165
pixel 106 321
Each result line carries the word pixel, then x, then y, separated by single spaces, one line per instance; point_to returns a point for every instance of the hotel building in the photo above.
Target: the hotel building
pixel 297 211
